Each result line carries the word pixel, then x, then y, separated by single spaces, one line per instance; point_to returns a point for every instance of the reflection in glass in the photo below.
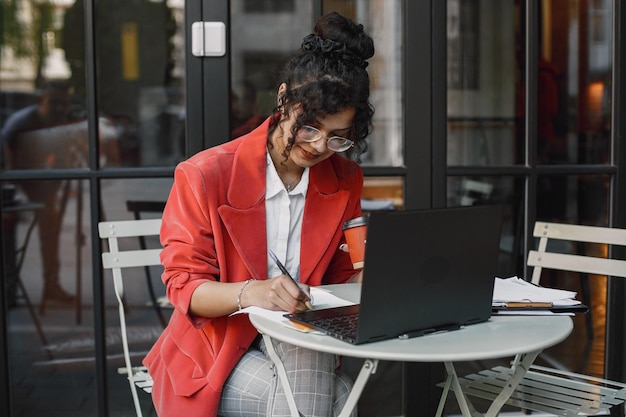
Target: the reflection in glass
pixel 577 199
pixel 382 193
pixel 498 190
pixel 385 21
pixel 481 75
pixel 139 76
pixel 486 99
pixel 43 124
pixel 256 55
pixel 573 106
pixel 245 109
pixel 42 101
pixel 53 196
pixel 121 197
pixel 45 134
pixel 49 294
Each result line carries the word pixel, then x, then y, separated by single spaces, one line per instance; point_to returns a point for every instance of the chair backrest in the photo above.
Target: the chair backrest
pixel 116 260
pixel 543 257
pixel 153 208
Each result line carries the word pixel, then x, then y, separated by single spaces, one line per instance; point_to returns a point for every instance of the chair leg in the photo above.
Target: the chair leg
pixel 586 294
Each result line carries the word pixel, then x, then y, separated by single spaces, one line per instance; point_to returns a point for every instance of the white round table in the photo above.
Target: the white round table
pixel 501 336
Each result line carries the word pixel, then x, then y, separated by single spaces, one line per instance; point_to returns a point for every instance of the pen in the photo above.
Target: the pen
pixel 528 304
pixel 285 272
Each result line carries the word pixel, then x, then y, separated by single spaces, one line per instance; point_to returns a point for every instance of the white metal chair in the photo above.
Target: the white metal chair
pixel 155 209
pixel 116 260
pixel 543 258
pixel 547 389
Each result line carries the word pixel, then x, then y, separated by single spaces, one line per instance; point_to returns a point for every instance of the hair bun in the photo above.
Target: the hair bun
pixel 338 35
pixel 314 43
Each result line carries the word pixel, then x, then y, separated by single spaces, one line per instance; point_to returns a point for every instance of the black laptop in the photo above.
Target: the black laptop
pixel 425 271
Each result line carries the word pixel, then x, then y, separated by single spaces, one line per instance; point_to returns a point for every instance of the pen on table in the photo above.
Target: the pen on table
pixel 528 304
pixel 285 272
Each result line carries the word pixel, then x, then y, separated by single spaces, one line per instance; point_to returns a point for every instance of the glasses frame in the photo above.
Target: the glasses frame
pixel 319 135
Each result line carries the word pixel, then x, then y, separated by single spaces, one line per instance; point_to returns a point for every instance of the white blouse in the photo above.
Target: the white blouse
pixel 283 217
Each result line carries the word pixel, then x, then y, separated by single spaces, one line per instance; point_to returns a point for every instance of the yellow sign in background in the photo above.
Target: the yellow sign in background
pixel 130 51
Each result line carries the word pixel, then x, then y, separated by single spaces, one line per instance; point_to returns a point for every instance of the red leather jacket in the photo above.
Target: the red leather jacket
pixel 214 229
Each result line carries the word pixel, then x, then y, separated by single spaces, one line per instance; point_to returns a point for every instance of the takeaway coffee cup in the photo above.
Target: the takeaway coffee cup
pixel 355 231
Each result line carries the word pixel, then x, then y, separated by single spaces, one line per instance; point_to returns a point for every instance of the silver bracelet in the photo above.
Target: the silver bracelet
pixel 245 284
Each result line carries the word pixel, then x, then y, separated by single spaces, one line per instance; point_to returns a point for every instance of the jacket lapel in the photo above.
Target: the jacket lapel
pixel 244 214
pixel 323 214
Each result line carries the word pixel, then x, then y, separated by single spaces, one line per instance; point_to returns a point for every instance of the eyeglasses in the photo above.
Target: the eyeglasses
pixel 334 143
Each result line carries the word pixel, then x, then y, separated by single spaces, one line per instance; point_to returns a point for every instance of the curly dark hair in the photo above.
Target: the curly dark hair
pixel 329 75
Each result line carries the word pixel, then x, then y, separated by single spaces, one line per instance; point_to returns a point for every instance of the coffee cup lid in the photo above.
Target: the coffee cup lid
pixel 357 221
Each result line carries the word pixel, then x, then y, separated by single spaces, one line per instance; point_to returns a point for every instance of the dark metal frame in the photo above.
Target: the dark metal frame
pixel 615 351
pixel 425 112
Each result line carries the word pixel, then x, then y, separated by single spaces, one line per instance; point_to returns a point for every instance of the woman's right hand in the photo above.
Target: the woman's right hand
pixel 279 293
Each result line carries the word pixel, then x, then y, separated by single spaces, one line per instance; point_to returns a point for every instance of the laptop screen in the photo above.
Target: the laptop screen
pixel 427 269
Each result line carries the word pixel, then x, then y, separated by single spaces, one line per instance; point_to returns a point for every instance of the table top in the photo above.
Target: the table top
pixel 500 337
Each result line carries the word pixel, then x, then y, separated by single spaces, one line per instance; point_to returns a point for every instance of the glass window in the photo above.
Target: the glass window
pixel 574 66
pixel 50 320
pixel 578 199
pixel 384 21
pixel 259 47
pixel 499 190
pixel 48 133
pixel 382 193
pixel 258 53
pixel 486 100
pixel 134 198
pixel 573 83
pixel 482 91
pixel 140 70
pixel 42 117
pixel 139 78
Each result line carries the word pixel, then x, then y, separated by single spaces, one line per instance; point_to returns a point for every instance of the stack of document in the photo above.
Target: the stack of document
pixel 517 296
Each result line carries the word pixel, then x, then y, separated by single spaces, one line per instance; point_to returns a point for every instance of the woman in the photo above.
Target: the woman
pixel 282 187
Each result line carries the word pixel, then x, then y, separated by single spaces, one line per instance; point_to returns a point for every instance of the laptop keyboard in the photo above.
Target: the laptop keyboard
pixel 343 327
pixel 339 322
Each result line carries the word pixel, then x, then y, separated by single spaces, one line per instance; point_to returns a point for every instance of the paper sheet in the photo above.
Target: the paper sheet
pixel 321 299
pixel 516 289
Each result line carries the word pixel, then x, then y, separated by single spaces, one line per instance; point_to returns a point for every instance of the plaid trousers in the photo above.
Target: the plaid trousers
pixel 253 388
